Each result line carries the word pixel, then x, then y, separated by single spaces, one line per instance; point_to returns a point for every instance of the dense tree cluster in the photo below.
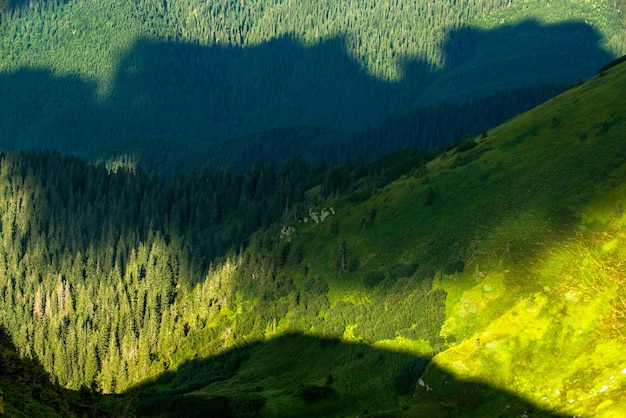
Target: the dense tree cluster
pixel 26 391
pixel 381 33
pixel 171 81
pixel 92 260
pixel 110 275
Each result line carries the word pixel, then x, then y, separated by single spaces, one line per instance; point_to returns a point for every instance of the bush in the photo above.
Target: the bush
pixel 368 220
pixel 455 265
pixel 295 256
pixel 405 379
pixel 332 228
pixel 466 158
pixel 373 278
pixel 315 287
pixel 312 393
pixel 398 271
pixel 353 263
pixel 425 276
pixel 420 171
pixel 465 144
pixel 430 196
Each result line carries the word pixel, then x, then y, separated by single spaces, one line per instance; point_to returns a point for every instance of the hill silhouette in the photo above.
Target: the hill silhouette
pixel 230 385
pixel 302 375
pixel 170 104
pixel 27 390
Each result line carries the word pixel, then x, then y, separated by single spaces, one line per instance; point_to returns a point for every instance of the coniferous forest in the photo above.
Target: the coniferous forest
pixel 170 83
pixel 301 208
pixel 100 265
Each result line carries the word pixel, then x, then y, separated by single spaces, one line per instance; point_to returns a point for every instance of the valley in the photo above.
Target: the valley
pixel 331 234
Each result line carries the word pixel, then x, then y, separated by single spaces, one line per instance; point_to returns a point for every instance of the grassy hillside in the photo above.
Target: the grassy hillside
pixel 540 309
pixel 521 232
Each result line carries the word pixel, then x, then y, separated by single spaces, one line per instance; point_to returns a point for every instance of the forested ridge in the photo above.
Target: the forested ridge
pixel 328 288
pixel 267 205
pixel 106 271
pixel 381 33
pixel 130 78
pixel 95 257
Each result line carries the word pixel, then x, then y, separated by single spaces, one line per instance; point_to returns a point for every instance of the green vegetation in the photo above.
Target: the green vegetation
pixel 26 391
pixel 292 272
pixel 537 287
pixel 108 29
pixel 107 262
pixel 335 290
pixel 169 82
pixel 598 14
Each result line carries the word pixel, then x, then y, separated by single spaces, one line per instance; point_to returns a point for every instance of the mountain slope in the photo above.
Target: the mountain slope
pixel 26 391
pixel 544 317
pixel 491 274
pixel 501 261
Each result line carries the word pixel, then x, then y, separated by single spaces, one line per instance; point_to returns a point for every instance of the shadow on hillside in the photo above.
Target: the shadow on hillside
pixel 171 103
pixel 514 56
pixel 25 387
pixel 14 6
pixel 297 375
pixel 10 5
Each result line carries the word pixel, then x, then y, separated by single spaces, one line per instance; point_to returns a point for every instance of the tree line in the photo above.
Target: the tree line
pixel 110 274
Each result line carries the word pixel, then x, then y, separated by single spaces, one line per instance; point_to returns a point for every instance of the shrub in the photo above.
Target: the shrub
pixel 465 144
pixel 373 278
pixel 430 196
pixel 332 228
pixel 467 158
pixel 353 263
pixel 420 171
pixel 398 271
pixel 405 379
pixel 295 256
pixel 425 275
pixel 455 265
pixel 315 287
pixel 368 220
pixel 312 393
pixel 619 211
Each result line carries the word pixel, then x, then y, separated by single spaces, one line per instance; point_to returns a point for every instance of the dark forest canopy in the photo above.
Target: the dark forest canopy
pixel 130 78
